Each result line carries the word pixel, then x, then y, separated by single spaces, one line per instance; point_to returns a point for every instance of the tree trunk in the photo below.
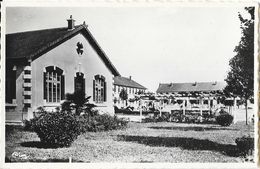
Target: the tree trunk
pixel 246 111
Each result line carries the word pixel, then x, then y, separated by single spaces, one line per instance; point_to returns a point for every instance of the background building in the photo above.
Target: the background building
pixel 131 87
pixel 198 95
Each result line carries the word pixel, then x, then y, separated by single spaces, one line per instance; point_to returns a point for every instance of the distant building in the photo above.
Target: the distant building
pixel 186 88
pixel 204 95
pixel 129 85
pixel 43 65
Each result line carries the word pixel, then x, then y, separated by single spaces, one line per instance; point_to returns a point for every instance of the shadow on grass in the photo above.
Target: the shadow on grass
pixel 38 144
pixel 192 128
pixel 184 143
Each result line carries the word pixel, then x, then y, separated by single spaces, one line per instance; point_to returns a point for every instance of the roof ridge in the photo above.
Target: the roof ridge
pixel 56 41
pixel 15 33
pixel 131 82
pixel 192 82
pixel 60 35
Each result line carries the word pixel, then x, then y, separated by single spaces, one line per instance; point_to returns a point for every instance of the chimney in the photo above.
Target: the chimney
pixel 130 77
pixel 71 23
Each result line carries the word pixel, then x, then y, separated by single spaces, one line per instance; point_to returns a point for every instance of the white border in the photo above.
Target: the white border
pixel 127 3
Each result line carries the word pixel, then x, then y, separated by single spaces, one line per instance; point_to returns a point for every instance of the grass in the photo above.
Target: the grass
pixel 140 142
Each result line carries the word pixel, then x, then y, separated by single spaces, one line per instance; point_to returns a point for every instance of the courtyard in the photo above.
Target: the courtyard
pixel 139 142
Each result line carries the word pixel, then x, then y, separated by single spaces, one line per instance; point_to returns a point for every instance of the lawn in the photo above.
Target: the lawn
pixel 139 142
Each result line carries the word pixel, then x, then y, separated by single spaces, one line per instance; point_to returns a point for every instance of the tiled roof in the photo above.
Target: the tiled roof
pixel 127 82
pixel 190 87
pixel 33 44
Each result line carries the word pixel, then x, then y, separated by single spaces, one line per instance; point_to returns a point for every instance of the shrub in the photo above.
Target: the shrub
pixel 107 122
pixel 164 117
pixel 245 145
pixel 59 129
pixel 28 125
pixel 99 122
pixel 148 120
pixel 224 119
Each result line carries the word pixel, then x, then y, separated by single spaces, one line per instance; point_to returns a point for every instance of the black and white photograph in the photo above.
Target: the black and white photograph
pixel 130 84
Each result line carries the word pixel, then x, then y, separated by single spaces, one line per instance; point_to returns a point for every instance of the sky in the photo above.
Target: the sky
pixel 152 44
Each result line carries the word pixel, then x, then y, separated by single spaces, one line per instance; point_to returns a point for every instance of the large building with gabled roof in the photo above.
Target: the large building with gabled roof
pixel 205 95
pixel 43 65
pixel 206 87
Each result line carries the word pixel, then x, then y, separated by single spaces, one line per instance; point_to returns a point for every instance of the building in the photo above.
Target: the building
pixel 199 95
pixel 43 65
pixel 129 85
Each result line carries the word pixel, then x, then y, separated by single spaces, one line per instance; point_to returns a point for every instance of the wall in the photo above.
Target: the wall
pixel 19 88
pixel 66 57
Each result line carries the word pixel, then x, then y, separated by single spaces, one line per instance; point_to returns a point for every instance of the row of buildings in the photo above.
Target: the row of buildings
pixel 43 65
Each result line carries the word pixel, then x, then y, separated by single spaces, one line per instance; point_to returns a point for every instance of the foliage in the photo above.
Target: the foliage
pixel 76 116
pixel 106 122
pixel 224 119
pixel 240 78
pixel 102 122
pixel 77 103
pixel 123 94
pixel 28 124
pixel 245 145
pixel 59 129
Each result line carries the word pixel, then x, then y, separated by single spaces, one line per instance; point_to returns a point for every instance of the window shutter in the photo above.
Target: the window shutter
pixel 105 91
pixel 44 86
pixel 62 87
pixel 93 90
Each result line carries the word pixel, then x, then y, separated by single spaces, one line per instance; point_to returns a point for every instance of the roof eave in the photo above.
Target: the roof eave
pixel 67 36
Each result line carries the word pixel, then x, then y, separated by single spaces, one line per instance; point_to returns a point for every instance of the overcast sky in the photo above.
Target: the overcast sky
pixel 154 45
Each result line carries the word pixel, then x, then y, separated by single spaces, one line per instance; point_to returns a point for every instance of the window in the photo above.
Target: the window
pixel 79 82
pixel 99 89
pixel 53 84
pixel 10 84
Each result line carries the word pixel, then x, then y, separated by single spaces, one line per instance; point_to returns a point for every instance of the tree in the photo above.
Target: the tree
pixel 240 78
pixel 78 102
pixel 123 95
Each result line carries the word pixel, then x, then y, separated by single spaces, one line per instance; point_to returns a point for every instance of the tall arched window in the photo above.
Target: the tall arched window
pixel 53 84
pixel 79 82
pixel 99 89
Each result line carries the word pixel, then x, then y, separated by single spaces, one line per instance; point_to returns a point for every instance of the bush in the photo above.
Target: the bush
pixel 28 125
pixel 245 145
pixel 107 122
pixel 148 120
pixel 102 122
pixel 164 117
pixel 224 119
pixel 59 129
